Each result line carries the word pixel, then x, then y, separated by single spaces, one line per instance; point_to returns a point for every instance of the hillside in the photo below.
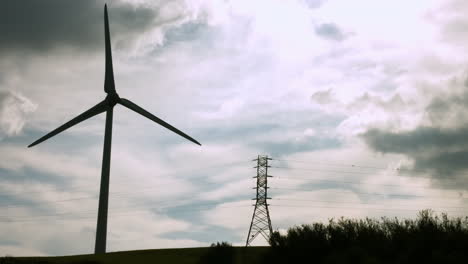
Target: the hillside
pixel 429 238
pixel 173 256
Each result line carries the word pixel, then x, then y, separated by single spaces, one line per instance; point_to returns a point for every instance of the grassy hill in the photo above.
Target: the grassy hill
pixel 173 256
pixel 427 239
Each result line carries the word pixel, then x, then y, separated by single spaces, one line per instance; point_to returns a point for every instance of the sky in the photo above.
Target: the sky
pixel 361 104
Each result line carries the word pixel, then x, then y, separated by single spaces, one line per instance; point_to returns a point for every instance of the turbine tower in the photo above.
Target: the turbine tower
pixel 107 105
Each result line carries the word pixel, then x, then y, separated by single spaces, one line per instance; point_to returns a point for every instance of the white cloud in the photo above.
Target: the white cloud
pixel 14 109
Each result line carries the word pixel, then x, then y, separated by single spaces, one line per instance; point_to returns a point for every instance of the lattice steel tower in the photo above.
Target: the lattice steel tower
pixel 261 223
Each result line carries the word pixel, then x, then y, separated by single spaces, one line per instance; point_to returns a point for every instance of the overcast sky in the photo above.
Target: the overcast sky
pixel 361 104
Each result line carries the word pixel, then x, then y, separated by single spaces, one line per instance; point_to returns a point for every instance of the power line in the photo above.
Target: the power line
pixel 80 187
pixel 352 203
pixel 333 164
pixel 221 165
pixel 353 208
pixel 365 193
pixel 318 170
pixel 114 195
pixel 95 196
pixel 125 210
pixel 365 166
pixel 93 217
pixel 170 204
pixel 119 194
pixel 126 194
pixel 398 174
pixel 150 189
pixel 132 212
pixel 15 205
pixel 352 182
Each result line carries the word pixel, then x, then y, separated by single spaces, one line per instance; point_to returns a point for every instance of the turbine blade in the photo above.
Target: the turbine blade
pixel 109 85
pixel 97 109
pixel 132 106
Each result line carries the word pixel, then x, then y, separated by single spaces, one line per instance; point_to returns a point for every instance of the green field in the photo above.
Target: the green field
pixel 175 256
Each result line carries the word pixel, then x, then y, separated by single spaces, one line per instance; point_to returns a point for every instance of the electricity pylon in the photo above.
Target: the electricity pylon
pixel 261 222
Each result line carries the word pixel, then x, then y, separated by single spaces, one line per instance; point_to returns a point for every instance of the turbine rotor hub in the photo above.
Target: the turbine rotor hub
pixel 112 99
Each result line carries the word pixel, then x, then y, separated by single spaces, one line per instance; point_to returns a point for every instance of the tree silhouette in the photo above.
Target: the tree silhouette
pixel 427 239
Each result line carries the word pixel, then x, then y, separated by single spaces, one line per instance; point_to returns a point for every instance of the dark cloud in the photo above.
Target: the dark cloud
pixel 439 148
pixel 330 31
pixel 38 26
pixel 449 108
pixel 440 152
pixel 424 141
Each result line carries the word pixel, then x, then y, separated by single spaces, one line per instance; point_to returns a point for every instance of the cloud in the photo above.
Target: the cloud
pixel 41 26
pixel 440 152
pixel 394 104
pixel 314 3
pixel 14 110
pixel 369 110
pixel 437 145
pixel 451 16
pixel 330 31
pixel 323 97
pixel 448 109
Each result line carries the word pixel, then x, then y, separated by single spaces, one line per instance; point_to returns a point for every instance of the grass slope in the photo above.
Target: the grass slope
pixel 173 256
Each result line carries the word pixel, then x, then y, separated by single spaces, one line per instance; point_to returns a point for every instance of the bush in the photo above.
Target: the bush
pixel 429 239
pixel 221 253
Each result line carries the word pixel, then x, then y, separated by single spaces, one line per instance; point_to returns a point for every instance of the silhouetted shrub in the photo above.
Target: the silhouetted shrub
pixel 427 239
pixel 222 253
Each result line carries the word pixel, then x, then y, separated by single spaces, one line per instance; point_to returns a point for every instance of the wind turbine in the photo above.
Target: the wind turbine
pixel 107 105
